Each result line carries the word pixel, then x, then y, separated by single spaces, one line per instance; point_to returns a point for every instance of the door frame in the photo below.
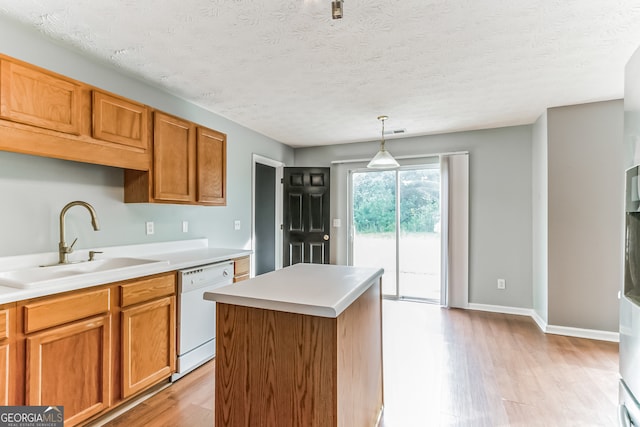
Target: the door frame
pixel 279 166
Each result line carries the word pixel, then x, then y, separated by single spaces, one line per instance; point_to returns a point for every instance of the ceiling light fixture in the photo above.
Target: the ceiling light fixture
pixel 384 159
pixel 336 9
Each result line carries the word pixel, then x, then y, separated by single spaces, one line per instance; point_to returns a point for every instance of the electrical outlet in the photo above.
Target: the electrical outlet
pixel 502 284
pixel 185 226
pixel 236 224
pixel 149 225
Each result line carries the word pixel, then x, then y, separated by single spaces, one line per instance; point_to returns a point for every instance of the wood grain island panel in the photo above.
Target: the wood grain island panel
pixel 282 368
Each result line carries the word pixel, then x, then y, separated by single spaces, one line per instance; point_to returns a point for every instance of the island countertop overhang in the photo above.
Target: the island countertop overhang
pixel 312 289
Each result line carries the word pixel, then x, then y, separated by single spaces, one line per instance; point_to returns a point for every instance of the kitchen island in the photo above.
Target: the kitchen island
pixel 301 346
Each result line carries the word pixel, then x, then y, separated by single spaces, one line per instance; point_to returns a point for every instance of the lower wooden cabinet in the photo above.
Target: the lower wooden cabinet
pixel 148 344
pixel 69 366
pixel 89 350
pixel 4 374
pixel 241 269
pixel 7 371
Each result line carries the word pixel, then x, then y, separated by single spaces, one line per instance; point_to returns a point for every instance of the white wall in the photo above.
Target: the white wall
pixel 500 202
pixel 585 213
pixel 33 190
pixel 540 195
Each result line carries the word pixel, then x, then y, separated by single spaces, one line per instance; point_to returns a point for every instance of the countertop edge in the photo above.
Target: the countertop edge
pixel 177 260
pixel 330 311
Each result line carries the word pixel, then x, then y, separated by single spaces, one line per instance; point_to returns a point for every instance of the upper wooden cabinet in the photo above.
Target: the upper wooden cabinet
pixel 38 98
pixel 119 120
pixel 211 166
pixel 174 158
pixel 189 165
pixel 167 160
pixel 46 114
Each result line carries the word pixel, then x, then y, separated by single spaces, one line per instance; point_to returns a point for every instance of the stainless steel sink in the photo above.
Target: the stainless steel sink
pixel 108 268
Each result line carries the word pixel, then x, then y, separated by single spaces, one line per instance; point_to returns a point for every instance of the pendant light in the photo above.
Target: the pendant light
pixel 384 159
pixel 336 9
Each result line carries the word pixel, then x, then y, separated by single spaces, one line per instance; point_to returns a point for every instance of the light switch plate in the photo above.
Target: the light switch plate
pixel 185 226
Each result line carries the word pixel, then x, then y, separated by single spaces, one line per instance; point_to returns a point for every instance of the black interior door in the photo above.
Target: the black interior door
pixel 265 220
pixel 306 216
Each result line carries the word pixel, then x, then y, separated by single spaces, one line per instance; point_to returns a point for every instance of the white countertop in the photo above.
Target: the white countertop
pixel 313 289
pixel 175 256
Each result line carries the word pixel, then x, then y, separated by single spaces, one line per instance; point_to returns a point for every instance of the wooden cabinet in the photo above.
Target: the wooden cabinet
pixel 189 165
pixel 36 97
pixel 69 366
pixel 241 269
pixel 281 368
pixel 174 159
pixel 119 120
pixel 68 353
pixel 167 160
pixel 45 114
pixel 8 370
pixel 148 332
pixel 211 167
pixel 89 350
pixel 4 360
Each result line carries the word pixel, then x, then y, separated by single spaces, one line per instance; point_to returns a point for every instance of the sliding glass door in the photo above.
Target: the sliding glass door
pixel 395 224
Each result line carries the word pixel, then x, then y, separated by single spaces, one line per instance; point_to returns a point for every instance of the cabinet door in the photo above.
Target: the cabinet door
pixel 31 96
pixel 4 358
pixel 174 162
pixel 148 344
pixel 119 120
pixel 70 366
pixel 4 374
pixel 212 167
pixel 11 363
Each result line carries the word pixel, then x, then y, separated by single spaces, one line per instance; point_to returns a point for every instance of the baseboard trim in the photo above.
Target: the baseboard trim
pixel 592 334
pixel 501 309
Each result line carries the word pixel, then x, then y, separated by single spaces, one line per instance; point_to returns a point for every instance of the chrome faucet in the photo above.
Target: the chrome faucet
pixel 63 249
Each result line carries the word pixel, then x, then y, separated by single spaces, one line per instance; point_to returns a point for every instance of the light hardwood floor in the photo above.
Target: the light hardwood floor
pixel 451 368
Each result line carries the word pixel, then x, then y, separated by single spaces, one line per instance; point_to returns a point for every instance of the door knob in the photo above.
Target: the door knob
pixel 325 237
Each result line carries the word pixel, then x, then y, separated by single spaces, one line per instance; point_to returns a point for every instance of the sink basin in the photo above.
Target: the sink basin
pixel 108 268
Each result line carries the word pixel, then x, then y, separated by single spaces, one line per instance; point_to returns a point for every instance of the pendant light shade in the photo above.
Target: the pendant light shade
pixel 384 159
pixel 336 9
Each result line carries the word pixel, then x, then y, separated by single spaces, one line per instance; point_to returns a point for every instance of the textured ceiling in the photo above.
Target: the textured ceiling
pixel 287 70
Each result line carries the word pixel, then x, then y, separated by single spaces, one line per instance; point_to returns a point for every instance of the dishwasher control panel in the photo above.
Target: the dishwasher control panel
pixel 206 275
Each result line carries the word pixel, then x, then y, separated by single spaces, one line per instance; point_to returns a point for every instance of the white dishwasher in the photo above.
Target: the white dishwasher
pixel 196 316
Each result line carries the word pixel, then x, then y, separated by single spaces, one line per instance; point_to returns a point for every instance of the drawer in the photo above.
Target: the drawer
pixel 147 289
pixel 241 266
pixel 60 310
